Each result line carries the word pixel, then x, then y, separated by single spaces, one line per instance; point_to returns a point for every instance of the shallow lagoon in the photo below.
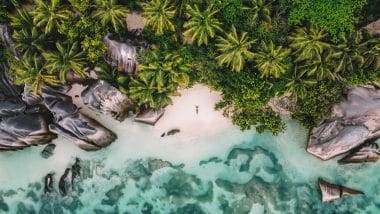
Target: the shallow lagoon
pixel 227 172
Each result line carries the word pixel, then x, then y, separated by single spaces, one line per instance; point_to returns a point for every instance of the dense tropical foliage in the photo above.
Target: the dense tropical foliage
pixel 250 50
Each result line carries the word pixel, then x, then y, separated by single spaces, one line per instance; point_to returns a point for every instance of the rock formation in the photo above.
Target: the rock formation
pixel 6 83
pixel 149 116
pixel 369 152
pixel 121 55
pixel 173 132
pixel 84 131
pixel 104 98
pixel 48 183
pixel 353 122
pixel 62 183
pixel 5 36
pixel 75 172
pixel 281 105
pixel 24 130
pixel 11 106
pixel 331 192
pixel 48 151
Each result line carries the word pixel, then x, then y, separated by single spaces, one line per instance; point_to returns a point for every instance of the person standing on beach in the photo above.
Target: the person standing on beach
pixel 196 109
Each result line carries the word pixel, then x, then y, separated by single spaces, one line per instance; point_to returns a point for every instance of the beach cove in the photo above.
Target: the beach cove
pixel 210 166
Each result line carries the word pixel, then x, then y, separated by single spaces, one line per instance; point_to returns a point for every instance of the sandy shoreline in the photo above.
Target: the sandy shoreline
pixel 181 114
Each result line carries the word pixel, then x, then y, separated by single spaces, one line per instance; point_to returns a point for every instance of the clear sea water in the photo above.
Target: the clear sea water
pixel 228 172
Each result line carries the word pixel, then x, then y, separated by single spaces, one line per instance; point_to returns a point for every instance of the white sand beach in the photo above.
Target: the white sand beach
pixel 182 113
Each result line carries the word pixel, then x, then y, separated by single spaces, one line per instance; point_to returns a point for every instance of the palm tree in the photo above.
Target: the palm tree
pixel 321 66
pixel 234 49
pixel 65 59
pixel 50 15
pixel 307 43
pixel 350 53
pixel 270 60
pixel 159 15
pixel 298 84
pixel 372 54
pixel 202 24
pixel 169 68
pixel 30 70
pixel 261 9
pixel 29 41
pixel 145 90
pixel 22 20
pixel 108 12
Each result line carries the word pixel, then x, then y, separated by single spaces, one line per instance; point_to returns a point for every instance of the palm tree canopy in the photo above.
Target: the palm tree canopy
pixel 261 9
pixel 22 20
pixel 202 24
pixel 65 59
pixel 321 66
pixel 298 84
pixel 49 15
pixel 308 42
pixel 270 60
pixel 109 13
pixel 30 70
pixel 29 41
pixel 159 15
pixel 350 55
pixel 234 49
pixel 145 90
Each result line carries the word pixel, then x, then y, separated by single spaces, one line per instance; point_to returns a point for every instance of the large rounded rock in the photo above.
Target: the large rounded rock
pixel 24 130
pixel 353 122
pixel 104 98
pixel 69 122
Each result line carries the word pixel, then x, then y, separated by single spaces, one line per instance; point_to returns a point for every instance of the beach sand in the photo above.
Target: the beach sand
pixel 182 114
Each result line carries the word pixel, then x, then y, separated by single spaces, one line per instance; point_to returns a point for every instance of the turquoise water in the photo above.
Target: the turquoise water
pixel 229 172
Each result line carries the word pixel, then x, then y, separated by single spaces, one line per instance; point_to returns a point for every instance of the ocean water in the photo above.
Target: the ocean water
pixel 227 172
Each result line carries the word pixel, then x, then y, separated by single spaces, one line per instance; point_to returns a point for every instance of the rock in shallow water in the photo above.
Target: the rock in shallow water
pixel 48 151
pixel 104 98
pixel 331 192
pixel 353 122
pixel 368 152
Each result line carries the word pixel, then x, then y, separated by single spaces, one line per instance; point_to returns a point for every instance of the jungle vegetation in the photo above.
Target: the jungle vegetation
pixel 250 50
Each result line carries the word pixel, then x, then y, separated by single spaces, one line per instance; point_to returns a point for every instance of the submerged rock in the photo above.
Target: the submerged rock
pixel 62 183
pixel 48 183
pixel 150 116
pixel 351 125
pixel 48 151
pixel 368 152
pixel 24 130
pixel 87 133
pixel 104 98
pixel 75 172
pixel 331 192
